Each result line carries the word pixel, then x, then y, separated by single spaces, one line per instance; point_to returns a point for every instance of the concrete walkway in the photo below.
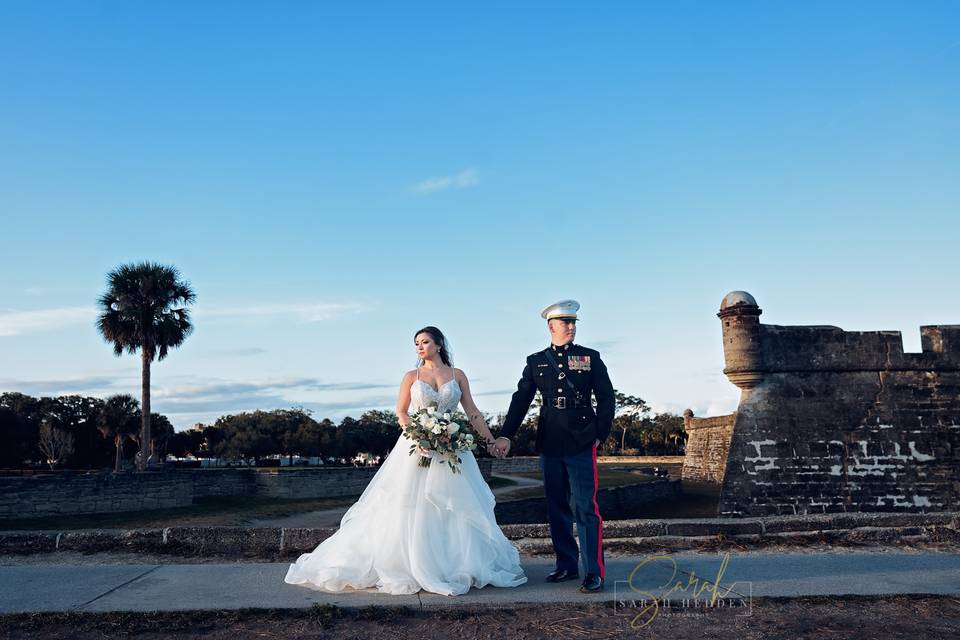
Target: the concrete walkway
pixel 172 587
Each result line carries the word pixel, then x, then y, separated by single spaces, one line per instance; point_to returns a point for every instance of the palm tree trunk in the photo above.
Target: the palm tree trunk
pixel 147 357
pixel 118 442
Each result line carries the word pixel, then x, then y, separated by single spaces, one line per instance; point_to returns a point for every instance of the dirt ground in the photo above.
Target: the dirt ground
pixel 818 618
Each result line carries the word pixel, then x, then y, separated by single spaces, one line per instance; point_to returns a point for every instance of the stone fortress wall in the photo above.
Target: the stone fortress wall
pixel 832 420
pixel 708 443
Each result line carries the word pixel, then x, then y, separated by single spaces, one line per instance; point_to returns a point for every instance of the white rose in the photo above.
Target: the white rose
pixel 431 410
pixel 452 428
pixel 446 416
pixel 429 423
pixel 437 428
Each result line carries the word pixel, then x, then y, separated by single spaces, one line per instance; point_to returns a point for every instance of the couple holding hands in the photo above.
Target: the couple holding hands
pixel 428 528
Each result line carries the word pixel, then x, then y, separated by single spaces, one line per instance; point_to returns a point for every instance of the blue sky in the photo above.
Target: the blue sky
pixel 332 177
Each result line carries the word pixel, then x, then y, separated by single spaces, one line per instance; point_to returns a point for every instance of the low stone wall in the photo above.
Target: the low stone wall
pixel 622 536
pixel 708 444
pixel 313 483
pixel 616 503
pixel 514 464
pixel 41 496
pixel 221 482
pixel 69 494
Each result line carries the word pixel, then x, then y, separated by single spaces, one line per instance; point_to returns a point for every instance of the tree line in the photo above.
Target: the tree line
pixel 92 433
pixel 74 431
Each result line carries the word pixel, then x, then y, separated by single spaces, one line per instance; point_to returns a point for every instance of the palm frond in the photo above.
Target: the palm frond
pixel 144 308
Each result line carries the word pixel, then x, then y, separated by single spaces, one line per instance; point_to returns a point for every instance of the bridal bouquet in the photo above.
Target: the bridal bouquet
pixel 438 433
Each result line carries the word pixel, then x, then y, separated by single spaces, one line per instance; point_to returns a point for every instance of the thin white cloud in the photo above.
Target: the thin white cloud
pixel 228 389
pixel 14 323
pixel 464 179
pixel 208 399
pixel 302 312
pixel 98 384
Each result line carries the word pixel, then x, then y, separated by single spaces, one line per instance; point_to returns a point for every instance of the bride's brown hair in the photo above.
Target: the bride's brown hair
pixel 437 336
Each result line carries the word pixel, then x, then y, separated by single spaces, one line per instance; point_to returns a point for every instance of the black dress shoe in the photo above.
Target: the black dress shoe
pixel 591 583
pixel 559 575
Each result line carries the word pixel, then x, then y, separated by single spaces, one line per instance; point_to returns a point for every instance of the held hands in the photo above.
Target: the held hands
pixel 498 448
pixel 501 447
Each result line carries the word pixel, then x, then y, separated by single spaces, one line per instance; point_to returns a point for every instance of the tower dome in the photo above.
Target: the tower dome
pixel 735 298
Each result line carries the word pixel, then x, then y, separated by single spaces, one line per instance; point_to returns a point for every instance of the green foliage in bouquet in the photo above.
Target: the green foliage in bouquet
pixel 438 433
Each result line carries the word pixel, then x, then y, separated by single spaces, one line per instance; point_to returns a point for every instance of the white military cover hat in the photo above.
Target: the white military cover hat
pixel 563 309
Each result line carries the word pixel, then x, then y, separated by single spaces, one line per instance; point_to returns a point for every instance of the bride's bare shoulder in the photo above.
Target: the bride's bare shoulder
pixel 459 374
pixel 409 377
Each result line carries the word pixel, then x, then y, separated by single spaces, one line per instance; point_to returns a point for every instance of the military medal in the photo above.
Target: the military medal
pixel 578 363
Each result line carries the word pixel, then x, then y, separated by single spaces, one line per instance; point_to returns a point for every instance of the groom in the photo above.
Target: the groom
pixel 568 433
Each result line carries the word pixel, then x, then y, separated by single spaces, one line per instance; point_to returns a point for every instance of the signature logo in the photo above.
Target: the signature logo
pixel 691 587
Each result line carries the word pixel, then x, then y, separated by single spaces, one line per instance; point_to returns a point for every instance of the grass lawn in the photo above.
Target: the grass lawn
pixel 497 482
pixel 617 474
pixel 699 500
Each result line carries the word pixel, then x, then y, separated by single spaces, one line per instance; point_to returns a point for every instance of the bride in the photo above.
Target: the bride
pixel 419 527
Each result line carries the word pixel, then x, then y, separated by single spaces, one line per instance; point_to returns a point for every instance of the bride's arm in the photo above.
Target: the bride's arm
pixel 473 414
pixel 403 402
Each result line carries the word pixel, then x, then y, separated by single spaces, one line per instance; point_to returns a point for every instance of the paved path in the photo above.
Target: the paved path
pixel 146 587
pixel 331 517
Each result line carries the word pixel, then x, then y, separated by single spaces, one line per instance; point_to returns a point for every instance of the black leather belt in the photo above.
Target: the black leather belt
pixel 562 402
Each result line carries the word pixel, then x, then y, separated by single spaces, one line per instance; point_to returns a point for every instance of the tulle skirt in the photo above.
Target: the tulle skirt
pixel 415 528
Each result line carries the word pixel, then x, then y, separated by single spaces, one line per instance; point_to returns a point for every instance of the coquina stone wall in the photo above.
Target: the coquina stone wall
pixel 832 420
pixel 72 494
pixel 514 464
pixel 41 496
pixel 708 443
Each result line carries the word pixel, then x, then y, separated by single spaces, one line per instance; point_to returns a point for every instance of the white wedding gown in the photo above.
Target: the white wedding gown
pixel 416 527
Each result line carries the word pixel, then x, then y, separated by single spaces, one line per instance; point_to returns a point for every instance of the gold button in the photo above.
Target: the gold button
pixel 559 390
pixel 560 365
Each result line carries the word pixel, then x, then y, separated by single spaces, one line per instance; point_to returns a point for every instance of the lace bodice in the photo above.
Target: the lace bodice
pixel 446 399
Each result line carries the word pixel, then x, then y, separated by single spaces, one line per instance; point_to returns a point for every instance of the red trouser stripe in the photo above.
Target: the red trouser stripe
pixel 596 509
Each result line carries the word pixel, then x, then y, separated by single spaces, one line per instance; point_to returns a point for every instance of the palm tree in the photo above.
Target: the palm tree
pixel 144 309
pixel 118 421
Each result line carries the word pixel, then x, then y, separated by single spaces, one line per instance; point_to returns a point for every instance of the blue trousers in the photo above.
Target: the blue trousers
pixel 570 485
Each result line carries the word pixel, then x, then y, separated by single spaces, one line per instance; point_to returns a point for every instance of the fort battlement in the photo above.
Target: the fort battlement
pixel 825 348
pixel 832 420
pixel 752 349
